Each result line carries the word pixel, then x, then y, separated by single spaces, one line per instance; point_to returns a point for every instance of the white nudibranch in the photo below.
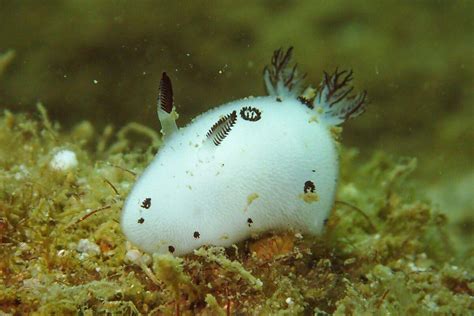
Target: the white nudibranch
pixel 249 166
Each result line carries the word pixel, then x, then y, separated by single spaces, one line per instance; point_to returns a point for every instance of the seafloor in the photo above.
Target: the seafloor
pixel 394 253
pixel 79 75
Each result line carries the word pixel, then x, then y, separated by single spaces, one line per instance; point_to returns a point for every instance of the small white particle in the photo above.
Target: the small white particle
pixel 22 172
pixel 95 81
pixel 23 246
pixel 85 246
pixel 83 256
pixel 133 255
pixel 64 160
pixel 415 268
pixel 289 301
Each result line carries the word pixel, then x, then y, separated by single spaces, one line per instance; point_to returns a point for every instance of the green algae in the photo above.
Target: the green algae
pixel 216 254
pixel 386 249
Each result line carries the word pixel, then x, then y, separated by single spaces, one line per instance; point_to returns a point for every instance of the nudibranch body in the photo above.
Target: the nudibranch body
pixel 243 168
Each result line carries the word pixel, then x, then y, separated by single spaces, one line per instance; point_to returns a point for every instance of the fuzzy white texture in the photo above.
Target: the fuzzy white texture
pixel 63 160
pixel 87 246
pixel 195 193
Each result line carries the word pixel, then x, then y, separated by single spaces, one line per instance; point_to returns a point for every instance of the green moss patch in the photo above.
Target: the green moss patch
pixel 385 249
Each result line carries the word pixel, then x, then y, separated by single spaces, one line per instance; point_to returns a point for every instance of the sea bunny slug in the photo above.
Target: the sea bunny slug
pixel 252 165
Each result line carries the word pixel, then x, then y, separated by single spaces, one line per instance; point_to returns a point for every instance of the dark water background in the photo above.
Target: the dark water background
pixel 101 61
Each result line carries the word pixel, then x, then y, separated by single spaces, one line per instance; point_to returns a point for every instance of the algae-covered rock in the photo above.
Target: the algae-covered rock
pixel 385 250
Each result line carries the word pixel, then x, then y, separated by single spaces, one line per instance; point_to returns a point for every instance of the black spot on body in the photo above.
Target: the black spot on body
pixel 278 99
pixel 249 221
pixel 141 220
pixel 171 249
pixel 250 114
pixel 146 203
pixel 196 235
pixel 325 222
pixel 309 186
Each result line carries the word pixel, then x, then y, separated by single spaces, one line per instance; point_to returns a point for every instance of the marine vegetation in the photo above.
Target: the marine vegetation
pixel 385 249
